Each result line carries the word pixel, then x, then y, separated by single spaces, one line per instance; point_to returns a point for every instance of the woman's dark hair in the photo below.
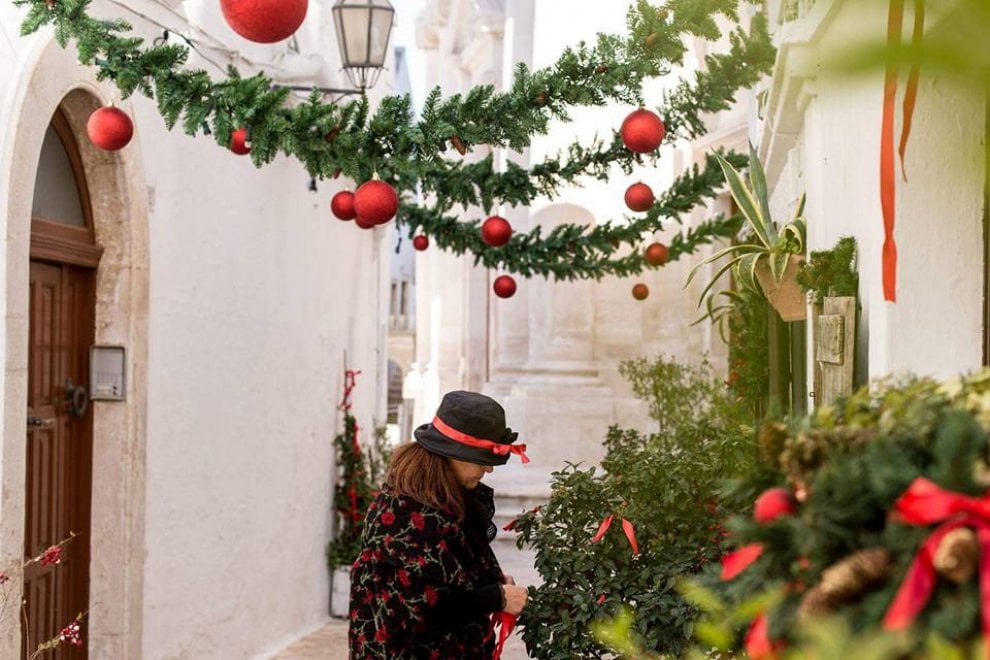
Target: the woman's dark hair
pixel 427 478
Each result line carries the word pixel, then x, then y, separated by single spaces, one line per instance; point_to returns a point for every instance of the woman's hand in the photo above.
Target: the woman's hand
pixel 515 598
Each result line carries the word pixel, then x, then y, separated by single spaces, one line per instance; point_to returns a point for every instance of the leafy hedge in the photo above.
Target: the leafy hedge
pixel 665 484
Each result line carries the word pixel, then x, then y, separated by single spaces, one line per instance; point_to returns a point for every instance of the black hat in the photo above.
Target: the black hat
pixel 470 427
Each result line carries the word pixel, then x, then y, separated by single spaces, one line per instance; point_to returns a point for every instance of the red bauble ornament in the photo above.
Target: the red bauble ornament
pixel 639 197
pixel 656 254
pixel 421 242
pixel 264 21
pixel 504 286
pixel 496 231
pixel 342 205
pixel 642 131
pixel 375 202
pixel 110 128
pixel 238 142
pixel 772 504
pixel 640 291
pixel 363 223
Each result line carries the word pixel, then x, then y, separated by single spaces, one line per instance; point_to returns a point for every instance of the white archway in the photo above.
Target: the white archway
pixel 51 78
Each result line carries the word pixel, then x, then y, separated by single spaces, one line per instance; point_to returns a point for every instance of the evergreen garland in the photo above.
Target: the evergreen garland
pixel 851 462
pixel 330 138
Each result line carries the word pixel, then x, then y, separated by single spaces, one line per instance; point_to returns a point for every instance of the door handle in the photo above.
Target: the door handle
pixel 77 397
pixel 39 422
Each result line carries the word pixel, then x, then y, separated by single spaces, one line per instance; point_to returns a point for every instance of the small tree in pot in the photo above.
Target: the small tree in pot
pixel 770 255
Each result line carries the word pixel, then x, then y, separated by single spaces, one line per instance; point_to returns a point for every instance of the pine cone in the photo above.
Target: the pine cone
pixel 856 573
pixel 815 603
pixel 957 555
pixel 458 145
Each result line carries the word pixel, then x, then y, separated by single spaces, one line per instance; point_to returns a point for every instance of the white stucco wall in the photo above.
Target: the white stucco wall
pixel 936 326
pixel 256 295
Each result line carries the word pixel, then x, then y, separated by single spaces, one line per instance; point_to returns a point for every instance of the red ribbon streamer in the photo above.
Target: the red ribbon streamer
pixel 911 91
pixel 925 503
pixel 465 439
pixel 736 562
pixel 505 622
pixel 758 642
pixel 350 381
pixel 627 528
pixel 887 179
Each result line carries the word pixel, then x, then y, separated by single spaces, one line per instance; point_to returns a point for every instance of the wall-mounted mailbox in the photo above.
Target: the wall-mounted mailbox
pixel 107 369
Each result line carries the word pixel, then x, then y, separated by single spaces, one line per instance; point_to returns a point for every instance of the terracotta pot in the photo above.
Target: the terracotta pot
pixel 786 296
pixel 340 594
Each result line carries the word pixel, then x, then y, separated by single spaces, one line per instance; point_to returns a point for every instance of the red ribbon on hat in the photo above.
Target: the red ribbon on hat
pixel 627 528
pixel 465 439
pixel 925 503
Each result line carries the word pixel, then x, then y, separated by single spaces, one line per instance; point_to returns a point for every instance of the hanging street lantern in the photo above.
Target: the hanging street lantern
pixel 363 30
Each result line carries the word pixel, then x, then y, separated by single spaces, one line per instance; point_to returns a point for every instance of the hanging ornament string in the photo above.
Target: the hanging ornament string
pixel 627 528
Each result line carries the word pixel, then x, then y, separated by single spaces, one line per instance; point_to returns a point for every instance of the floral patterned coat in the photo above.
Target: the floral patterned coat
pixel 424 585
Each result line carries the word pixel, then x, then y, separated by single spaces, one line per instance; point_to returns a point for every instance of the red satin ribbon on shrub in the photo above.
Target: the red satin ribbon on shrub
pixel 465 439
pixel 895 19
pixel 505 622
pixel 759 646
pixel 736 562
pixel 925 503
pixel 627 528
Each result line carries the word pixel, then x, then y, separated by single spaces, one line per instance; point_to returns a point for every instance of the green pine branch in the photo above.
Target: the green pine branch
pixel 350 138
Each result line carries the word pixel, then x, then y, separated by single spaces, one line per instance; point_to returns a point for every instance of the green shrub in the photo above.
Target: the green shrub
pixel 663 483
pixel 360 471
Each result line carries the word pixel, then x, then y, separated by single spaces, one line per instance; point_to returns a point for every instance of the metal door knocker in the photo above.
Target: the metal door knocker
pixel 77 398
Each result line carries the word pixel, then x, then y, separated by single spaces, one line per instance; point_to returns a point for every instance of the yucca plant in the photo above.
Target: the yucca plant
pixel 764 246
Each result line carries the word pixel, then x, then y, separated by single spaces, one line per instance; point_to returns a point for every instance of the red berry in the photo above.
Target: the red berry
pixel 640 291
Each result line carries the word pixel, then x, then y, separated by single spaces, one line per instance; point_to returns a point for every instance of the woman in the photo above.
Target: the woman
pixel 427 582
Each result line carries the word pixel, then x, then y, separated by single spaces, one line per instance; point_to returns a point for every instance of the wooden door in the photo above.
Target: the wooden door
pixel 59 454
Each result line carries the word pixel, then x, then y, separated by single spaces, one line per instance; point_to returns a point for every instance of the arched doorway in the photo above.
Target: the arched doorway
pixel 59 450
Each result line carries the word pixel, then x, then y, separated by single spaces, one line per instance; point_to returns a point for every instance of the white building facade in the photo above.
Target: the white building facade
pixel 238 299
pixel 551 353
pixel 818 131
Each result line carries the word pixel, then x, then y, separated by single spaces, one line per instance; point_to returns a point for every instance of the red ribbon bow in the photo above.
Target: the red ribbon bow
pixel 627 527
pixel 496 448
pixel 518 450
pixel 925 503
pixel 350 382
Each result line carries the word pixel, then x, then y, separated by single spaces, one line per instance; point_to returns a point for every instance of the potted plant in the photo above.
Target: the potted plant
pixel 770 256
